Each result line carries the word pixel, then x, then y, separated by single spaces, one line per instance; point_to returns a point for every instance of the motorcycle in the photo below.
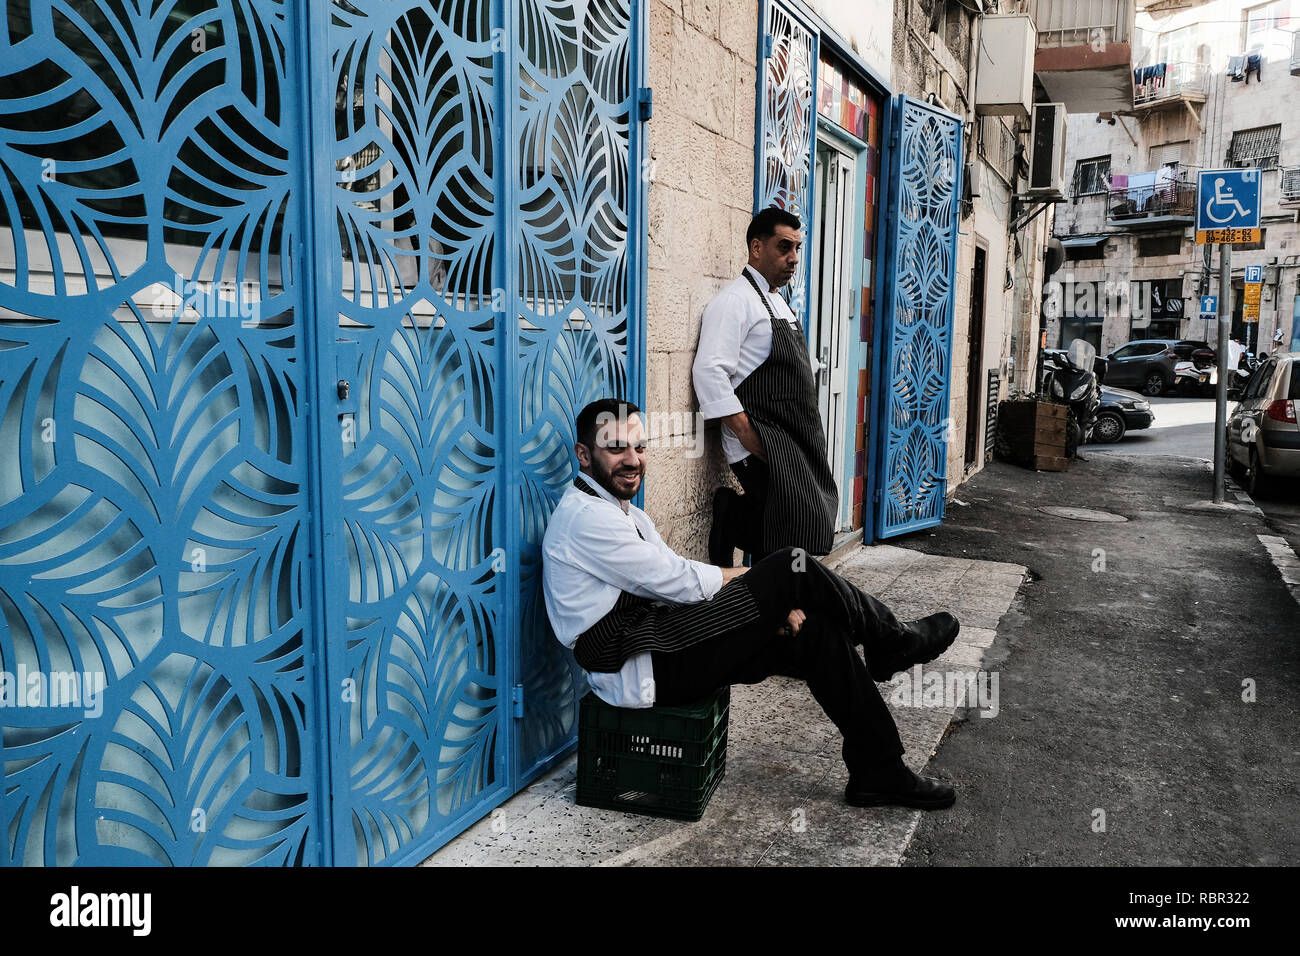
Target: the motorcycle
pixel 1191 379
pixel 1069 378
pixel 1239 376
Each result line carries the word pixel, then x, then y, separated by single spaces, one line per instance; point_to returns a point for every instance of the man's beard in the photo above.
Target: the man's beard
pixel 606 480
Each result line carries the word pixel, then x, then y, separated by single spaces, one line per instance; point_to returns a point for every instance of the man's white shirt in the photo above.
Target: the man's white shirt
pixel 735 339
pixel 591 553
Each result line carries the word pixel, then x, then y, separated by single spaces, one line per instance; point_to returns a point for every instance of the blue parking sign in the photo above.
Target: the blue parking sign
pixel 1254 273
pixel 1227 199
pixel 1209 305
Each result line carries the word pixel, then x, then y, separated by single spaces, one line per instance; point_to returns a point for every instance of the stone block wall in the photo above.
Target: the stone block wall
pixel 703 71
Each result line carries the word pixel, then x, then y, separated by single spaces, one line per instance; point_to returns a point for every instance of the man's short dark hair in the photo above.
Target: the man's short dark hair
pixel 764 224
pixel 618 408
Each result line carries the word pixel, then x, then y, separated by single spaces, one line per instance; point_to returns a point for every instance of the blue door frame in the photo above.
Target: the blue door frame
pixel 302 548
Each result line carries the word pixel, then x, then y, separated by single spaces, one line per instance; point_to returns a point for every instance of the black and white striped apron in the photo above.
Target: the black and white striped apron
pixel 780 400
pixel 637 623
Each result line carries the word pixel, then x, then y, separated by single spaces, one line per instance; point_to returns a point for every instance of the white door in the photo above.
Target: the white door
pixel 831 317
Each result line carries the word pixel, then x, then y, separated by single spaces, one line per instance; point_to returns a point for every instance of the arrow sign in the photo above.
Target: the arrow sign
pixel 1209 305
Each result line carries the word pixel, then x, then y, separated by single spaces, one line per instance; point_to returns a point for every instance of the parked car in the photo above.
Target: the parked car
pixel 1147 364
pixel 1120 410
pixel 1263 434
pixel 1198 352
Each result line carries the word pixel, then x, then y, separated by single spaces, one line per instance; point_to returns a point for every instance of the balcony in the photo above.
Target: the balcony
pixel 1139 201
pixel 1170 84
pixel 1295 53
pixel 1289 184
pixel 1083 56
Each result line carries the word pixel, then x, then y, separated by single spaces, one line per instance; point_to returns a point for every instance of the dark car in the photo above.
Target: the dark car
pixel 1196 351
pixel 1120 410
pixel 1148 364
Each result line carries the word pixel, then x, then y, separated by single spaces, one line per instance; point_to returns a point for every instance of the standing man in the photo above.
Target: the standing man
pixel 652 627
pixel 752 370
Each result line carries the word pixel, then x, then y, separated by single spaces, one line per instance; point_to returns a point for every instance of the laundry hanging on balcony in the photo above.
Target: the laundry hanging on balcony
pixel 1154 76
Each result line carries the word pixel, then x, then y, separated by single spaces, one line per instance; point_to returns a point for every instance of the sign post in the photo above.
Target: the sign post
pixel 1250 300
pixel 1227 213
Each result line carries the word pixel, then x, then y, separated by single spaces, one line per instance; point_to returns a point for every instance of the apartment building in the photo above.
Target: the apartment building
pixel 1215 86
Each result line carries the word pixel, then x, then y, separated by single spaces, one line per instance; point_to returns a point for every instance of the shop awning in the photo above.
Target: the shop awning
pixel 1078 242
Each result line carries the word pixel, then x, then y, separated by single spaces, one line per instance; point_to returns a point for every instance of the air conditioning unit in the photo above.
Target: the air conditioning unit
pixel 1047 162
pixel 1289 183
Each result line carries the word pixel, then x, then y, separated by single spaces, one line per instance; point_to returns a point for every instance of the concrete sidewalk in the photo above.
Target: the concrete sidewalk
pixel 781 801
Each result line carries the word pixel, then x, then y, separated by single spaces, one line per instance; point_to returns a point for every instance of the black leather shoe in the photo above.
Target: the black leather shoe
pixel 923 641
pixel 721 551
pixel 905 789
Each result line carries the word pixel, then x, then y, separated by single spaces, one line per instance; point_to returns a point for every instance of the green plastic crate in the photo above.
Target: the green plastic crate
pixel 660 761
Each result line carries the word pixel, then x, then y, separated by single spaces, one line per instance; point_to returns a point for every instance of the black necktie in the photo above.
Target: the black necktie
pixel 583 486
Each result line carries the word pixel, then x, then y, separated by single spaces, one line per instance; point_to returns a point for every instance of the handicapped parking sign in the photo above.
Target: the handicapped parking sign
pixel 1227 205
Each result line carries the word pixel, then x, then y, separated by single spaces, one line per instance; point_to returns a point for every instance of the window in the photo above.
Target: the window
pixel 1256 147
pixel 1160 246
pixel 1177 46
pixel 1092 176
pixel 1265 18
pixel 1258 383
pixel 1127 351
pixel 1086 250
pixel 1168 153
pixel 1295 380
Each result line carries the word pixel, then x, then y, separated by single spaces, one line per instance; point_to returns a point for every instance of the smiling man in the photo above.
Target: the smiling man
pixel 753 371
pixel 652 627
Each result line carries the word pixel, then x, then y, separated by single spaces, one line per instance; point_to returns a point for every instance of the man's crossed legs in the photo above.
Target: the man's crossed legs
pixel 840 617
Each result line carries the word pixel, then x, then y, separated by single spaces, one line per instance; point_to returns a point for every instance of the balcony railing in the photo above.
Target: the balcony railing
pixel 1151 85
pixel 997 145
pixel 1063 23
pixel 1166 200
pixel 1289 183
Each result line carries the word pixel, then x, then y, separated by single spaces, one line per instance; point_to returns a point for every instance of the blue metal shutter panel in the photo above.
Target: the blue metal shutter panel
pixel 920 267
pixel 576 163
pixel 787 130
pixel 154 525
pixel 370 165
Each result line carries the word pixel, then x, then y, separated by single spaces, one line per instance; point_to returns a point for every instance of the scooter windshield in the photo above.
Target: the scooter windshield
pixel 1081 354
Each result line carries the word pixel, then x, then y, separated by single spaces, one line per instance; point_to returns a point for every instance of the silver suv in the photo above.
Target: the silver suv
pixel 1263 434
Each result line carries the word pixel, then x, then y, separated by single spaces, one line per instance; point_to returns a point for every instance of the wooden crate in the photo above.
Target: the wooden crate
pixel 1033 433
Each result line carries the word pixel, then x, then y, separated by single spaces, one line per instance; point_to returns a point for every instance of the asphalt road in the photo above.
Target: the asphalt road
pixel 1124 734
pixel 1185 427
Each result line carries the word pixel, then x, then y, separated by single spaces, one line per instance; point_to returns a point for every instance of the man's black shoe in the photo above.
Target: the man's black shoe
pixel 902 789
pixel 721 550
pixel 923 641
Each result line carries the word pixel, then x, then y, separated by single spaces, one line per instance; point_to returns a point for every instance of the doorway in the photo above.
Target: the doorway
pixel 975 365
pixel 832 307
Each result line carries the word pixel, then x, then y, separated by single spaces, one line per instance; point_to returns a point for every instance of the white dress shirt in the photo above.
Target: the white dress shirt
pixel 735 339
pixel 590 554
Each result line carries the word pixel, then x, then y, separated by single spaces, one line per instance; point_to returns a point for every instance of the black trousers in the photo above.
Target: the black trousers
pixel 746 518
pixel 824 654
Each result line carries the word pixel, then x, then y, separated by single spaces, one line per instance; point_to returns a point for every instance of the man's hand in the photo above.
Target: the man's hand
pixel 746 434
pixel 729 573
pixel 793 622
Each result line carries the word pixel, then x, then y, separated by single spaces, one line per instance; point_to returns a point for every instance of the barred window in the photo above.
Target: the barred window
pixel 1256 147
pixel 1092 176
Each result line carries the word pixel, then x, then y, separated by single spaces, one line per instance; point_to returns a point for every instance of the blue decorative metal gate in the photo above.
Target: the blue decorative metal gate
pixel 786 124
pixel 301 556
pixel 921 261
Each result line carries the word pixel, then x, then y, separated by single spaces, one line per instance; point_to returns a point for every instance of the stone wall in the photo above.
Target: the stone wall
pixel 703 71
